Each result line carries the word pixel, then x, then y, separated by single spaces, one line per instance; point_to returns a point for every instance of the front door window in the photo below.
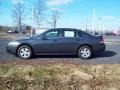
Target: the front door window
pixel 51 34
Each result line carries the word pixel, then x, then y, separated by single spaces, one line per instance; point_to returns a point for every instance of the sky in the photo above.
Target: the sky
pixel 74 13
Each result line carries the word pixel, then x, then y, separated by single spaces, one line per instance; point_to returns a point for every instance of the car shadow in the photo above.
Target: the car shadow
pixel 97 55
pixel 55 56
pixel 104 54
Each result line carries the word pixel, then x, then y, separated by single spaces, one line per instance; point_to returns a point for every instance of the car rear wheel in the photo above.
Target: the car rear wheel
pixel 85 52
pixel 24 52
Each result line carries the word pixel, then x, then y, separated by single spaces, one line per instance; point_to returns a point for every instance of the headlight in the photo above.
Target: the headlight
pixel 13 43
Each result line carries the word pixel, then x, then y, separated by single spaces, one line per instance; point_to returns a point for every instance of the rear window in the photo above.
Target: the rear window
pixel 83 34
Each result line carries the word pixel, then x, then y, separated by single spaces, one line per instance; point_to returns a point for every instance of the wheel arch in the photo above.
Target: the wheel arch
pixel 23 45
pixel 90 46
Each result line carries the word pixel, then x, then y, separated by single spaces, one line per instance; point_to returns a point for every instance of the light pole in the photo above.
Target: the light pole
pixel 94 21
pixel 32 21
pixel 99 25
pixel 82 26
pixel 87 25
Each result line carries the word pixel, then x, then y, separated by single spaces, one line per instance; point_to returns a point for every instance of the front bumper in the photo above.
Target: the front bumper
pixel 11 49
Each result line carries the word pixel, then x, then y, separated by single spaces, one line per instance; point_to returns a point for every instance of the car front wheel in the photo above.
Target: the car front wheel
pixel 85 52
pixel 24 52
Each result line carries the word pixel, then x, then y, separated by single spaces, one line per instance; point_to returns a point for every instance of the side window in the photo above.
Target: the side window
pixel 69 34
pixel 81 34
pixel 51 34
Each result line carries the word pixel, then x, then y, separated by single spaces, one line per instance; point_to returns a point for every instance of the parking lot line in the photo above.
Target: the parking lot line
pixel 112 43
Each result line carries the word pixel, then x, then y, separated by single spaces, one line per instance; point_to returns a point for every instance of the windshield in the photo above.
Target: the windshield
pixel 37 35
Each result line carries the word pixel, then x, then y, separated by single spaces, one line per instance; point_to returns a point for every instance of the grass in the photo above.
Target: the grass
pixel 59 77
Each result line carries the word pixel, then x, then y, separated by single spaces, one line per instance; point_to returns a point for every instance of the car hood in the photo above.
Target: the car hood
pixel 23 39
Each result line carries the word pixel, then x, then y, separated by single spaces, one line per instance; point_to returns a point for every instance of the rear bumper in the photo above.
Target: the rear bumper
pixel 99 48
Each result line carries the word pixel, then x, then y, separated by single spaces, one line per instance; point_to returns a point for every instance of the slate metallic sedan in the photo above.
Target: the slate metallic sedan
pixel 60 41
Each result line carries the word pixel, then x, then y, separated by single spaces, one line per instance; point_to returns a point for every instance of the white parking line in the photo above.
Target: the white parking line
pixel 112 43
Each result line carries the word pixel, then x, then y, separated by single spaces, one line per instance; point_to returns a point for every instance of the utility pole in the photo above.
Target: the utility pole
pixel 103 29
pixel 99 25
pixel 94 21
pixel 87 25
pixel 83 26
pixel 32 21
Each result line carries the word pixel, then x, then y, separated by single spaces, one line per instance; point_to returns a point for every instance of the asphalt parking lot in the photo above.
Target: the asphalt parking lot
pixel 110 56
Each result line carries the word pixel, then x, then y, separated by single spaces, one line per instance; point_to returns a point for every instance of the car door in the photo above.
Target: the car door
pixel 48 44
pixel 68 42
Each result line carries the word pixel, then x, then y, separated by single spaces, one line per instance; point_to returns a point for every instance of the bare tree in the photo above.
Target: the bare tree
pixel 18 15
pixel 39 9
pixel 54 18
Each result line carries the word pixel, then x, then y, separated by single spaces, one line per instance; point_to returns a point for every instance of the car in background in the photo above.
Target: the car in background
pixel 60 41
pixel 12 31
pixel 9 31
pixel 15 31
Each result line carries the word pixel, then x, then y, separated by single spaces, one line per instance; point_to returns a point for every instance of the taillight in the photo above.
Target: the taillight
pixel 101 39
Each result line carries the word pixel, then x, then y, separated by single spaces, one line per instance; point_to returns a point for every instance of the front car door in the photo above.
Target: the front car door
pixel 48 44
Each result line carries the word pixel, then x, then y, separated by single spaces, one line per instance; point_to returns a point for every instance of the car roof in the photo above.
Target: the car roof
pixel 65 29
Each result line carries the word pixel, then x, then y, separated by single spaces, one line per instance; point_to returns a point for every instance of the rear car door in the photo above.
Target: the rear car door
pixel 68 42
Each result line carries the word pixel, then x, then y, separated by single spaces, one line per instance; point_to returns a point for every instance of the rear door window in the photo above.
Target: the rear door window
pixel 69 33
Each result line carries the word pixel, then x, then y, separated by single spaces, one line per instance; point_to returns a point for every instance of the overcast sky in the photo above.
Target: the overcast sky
pixel 74 13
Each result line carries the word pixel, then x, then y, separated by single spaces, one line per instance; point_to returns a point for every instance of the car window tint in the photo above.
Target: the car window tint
pixel 82 34
pixel 69 34
pixel 51 34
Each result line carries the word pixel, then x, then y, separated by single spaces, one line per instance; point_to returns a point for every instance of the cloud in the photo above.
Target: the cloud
pixel 57 9
pixel 17 1
pixel 57 2
pixel 109 17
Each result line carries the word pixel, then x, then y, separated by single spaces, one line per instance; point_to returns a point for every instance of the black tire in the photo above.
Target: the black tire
pixel 27 52
pixel 85 55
